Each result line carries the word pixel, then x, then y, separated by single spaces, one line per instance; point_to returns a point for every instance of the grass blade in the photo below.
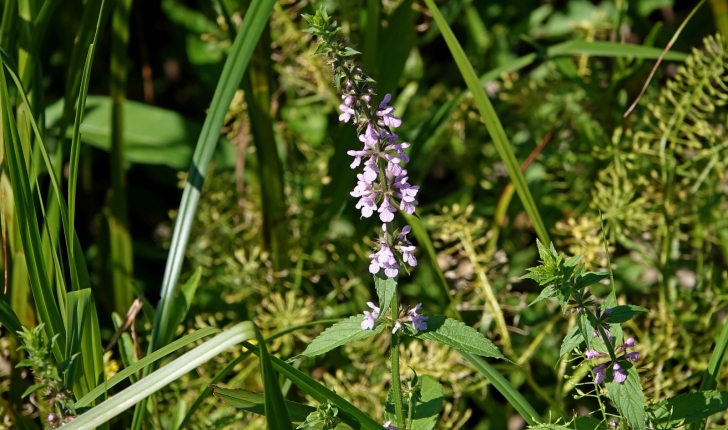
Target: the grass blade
pixel 151 358
pixel 275 406
pixel 270 171
pixel 349 413
pixel 492 123
pixel 163 377
pixel 710 378
pixel 504 387
pixel 120 248
pixel 254 402
pixel 26 216
pixel 8 318
pixel 235 65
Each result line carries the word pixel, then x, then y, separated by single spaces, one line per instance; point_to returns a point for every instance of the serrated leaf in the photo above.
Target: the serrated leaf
pixel 541 274
pixel 253 402
pixel 586 329
pixel 428 407
pixel 620 314
pixel 456 334
pixel 339 334
pixel 572 339
pixel 386 289
pixel 573 261
pixel 562 295
pixel 628 397
pixel 687 408
pixel 547 292
pixel 589 278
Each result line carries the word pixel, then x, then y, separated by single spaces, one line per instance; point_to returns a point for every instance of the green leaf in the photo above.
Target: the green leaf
pixel 144 141
pixel 32 389
pixel 156 355
pixel 427 409
pixel 183 301
pixel 456 334
pixel 620 314
pixel 253 402
pixel 163 377
pixel 589 278
pixel 386 289
pixel 628 397
pixel 252 27
pixel 547 292
pixel 687 408
pixel 572 339
pixel 492 123
pixel 573 261
pixel 586 329
pixel 275 406
pixel 9 319
pixel 339 334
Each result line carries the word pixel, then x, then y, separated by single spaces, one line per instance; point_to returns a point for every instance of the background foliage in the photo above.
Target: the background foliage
pixel 276 238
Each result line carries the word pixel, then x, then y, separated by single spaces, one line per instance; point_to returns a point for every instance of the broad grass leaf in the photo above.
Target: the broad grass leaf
pixel 253 402
pixel 339 334
pixel 628 397
pixel 456 334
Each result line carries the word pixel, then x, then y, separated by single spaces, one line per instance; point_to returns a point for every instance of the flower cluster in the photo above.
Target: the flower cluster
pixel 618 372
pixel 382 185
pixel 410 315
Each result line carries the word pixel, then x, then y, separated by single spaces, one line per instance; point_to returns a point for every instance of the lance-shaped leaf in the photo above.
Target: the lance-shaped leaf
pixel 620 314
pixel 456 334
pixel 339 334
pixel 572 339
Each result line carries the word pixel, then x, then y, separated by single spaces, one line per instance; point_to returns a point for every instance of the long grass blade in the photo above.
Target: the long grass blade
pixel 120 255
pixel 151 358
pixel 275 406
pixel 349 413
pixel 505 388
pixel 163 377
pixel 492 123
pixel 257 84
pixel 710 378
pixel 26 216
pixel 232 74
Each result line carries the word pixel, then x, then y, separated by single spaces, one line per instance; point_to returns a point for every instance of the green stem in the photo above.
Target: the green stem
pixel 396 383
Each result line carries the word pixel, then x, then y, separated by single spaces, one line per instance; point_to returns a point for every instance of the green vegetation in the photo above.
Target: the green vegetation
pixel 181 248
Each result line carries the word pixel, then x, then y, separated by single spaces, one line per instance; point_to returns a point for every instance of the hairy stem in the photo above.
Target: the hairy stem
pixel 396 383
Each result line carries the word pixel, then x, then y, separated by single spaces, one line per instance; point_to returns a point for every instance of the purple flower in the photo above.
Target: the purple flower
pixel 591 354
pixel 384 259
pixel 384 113
pixel 348 99
pixel 386 210
pixel 346 113
pixel 632 356
pixel 370 317
pixel 367 196
pixel 620 375
pixel 629 343
pixel 405 192
pixel 388 426
pixel 407 254
pixel 417 320
pixel 599 374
